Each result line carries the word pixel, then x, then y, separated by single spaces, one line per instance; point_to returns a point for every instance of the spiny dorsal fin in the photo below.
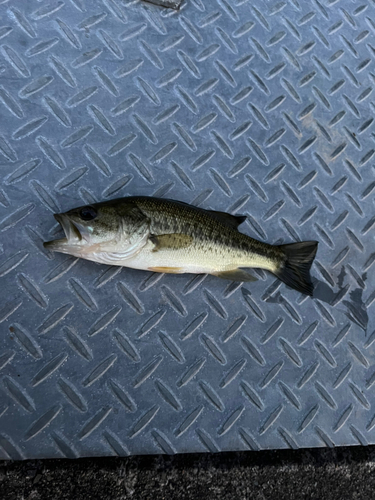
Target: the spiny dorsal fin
pixel 173 241
pixel 232 221
pixel 235 275
pixel 229 220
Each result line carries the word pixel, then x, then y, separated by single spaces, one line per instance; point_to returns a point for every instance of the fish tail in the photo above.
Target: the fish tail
pixel 294 271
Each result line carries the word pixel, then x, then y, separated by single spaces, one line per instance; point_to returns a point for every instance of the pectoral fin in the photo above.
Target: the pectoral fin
pixel 173 241
pixel 235 275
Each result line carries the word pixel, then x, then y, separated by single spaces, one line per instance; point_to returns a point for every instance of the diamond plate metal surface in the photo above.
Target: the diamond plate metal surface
pixel 263 108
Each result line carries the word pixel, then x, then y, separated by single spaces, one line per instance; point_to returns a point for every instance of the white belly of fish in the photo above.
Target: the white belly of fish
pixel 173 261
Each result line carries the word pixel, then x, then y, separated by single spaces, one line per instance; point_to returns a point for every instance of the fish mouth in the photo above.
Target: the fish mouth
pixel 70 229
pixel 73 235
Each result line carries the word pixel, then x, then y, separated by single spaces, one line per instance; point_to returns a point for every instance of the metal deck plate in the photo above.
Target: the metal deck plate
pixel 262 108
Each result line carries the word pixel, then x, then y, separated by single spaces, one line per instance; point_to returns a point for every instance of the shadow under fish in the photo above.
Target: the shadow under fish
pixel 355 308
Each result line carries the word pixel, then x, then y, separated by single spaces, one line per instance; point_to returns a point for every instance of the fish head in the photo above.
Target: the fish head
pixel 98 228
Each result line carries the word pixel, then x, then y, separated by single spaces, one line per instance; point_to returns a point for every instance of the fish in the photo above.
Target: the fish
pixel 169 236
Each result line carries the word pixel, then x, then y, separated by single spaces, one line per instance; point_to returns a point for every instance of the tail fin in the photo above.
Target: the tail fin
pixel 295 270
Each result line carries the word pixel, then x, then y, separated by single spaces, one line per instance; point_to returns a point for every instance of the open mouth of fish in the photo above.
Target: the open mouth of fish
pixel 72 233
pixel 71 230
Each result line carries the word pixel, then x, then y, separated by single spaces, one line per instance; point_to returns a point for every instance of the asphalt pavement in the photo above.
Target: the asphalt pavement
pixel 341 473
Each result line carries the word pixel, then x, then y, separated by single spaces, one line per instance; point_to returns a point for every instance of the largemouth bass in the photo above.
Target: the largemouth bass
pixel 170 236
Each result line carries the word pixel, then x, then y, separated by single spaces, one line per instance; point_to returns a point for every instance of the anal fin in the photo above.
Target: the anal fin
pixel 235 275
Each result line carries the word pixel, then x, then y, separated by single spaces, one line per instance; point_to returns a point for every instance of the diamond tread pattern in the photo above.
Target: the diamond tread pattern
pixel 259 108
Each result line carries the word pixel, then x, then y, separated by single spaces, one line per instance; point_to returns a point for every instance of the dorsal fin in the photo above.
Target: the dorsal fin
pixel 232 221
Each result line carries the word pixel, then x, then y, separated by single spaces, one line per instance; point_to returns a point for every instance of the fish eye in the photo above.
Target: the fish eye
pixel 88 213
